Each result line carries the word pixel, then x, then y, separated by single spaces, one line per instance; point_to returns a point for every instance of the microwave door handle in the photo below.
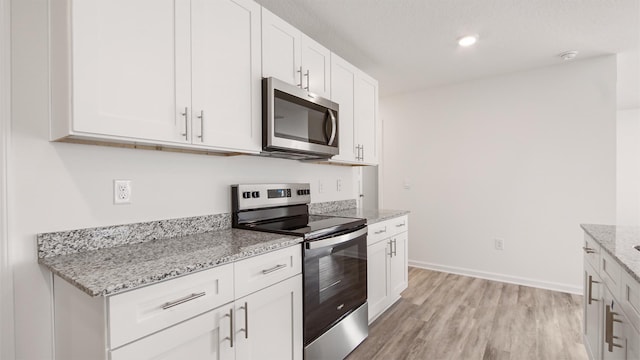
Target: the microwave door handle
pixel 334 127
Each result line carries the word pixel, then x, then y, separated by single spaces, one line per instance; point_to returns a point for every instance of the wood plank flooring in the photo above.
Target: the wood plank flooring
pixel 445 316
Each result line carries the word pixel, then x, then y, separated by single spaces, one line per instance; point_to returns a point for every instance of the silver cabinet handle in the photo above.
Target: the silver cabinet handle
pixel 275 268
pixel 400 225
pixel 588 250
pixel 246 319
pixel 201 117
pixel 591 282
pixel 390 249
pixel 183 300
pixel 395 247
pixel 300 72
pixel 307 75
pixel 381 231
pixel 186 120
pixel 608 332
pixel 230 315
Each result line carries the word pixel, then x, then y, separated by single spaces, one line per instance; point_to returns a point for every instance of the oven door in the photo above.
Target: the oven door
pixel 299 121
pixel 335 280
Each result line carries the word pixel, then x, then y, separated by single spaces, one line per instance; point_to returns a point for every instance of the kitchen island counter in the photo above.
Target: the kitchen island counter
pixel 619 242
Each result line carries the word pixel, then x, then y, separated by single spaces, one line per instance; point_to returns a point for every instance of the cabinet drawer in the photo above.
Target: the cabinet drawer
pixel 261 271
pixel 591 251
pixel 141 312
pixel 611 273
pixel 630 299
pixel 386 229
pixel 400 224
pixel 204 337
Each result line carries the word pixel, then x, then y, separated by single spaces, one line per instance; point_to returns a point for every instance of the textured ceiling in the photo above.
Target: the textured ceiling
pixel 411 44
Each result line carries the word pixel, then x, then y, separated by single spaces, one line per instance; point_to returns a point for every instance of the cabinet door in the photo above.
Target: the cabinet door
pixel 366 117
pixel 614 330
pixel 280 49
pixel 316 65
pixel 592 318
pixel 342 87
pixel 377 277
pixel 203 337
pixel 131 75
pixel 398 271
pixel 226 74
pixel 268 323
pixel 633 342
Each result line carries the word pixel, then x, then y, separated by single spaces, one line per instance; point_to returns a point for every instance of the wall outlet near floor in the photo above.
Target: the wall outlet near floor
pixel 320 187
pixel 339 185
pixel 122 191
pixel 498 243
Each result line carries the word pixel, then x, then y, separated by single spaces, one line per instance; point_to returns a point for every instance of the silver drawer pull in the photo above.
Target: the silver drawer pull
pixel 400 225
pixel 275 268
pixel 193 296
pixel 588 250
pixel 381 231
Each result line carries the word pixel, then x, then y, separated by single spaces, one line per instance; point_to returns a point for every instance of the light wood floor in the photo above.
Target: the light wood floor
pixel 444 316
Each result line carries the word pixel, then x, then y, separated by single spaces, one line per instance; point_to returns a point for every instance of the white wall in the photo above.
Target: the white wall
pixel 524 157
pixel 55 186
pixel 628 167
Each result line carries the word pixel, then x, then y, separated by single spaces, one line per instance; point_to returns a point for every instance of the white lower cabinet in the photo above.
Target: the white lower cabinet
pixel 269 322
pixel 193 317
pixel 387 267
pixel 592 316
pixel 610 307
pixel 377 278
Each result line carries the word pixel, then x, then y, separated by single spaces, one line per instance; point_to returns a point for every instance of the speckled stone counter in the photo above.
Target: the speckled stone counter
pixel 618 241
pixel 372 215
pixel 110 270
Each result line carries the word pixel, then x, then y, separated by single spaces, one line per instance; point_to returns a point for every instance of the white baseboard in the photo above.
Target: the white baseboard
pixel 499 277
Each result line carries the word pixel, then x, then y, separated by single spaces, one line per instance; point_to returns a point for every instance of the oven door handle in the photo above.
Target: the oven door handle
pixel 336 240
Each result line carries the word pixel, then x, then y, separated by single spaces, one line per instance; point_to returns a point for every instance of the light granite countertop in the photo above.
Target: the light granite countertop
pixel 372 215
pixel 111 270
pixel 618 241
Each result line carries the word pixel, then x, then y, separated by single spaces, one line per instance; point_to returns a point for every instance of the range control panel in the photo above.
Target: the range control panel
pixel 256 196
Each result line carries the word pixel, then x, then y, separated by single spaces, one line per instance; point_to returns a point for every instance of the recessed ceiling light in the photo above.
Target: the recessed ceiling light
pixel 467 40
pixel 568 55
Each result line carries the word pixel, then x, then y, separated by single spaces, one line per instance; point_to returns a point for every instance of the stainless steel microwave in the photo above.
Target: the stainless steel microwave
pixel 297 124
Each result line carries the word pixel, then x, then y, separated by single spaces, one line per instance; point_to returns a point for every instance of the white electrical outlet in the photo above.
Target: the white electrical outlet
pixel 339 185
pixel 499 244
pixel 122 191
pixel 320 187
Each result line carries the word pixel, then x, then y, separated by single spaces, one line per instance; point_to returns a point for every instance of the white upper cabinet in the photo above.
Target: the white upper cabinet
pixel 343 79
pixel 357 95
pixel 366 118
pixel 226 98
pixel 280 49
pixel 180 73
pixel 125 68
pixel 291 56
pixel 316 64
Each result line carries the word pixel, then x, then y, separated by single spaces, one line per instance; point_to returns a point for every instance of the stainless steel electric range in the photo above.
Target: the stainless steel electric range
pixel 335 263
